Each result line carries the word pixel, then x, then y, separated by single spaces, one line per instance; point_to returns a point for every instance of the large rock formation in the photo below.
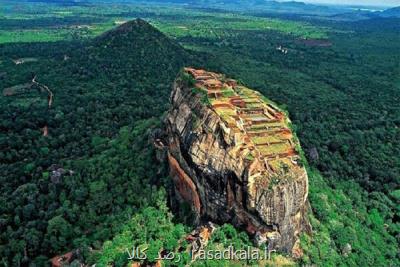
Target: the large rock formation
pixel 234 159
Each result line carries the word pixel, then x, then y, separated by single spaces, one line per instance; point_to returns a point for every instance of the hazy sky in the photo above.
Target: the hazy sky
pixel 357 2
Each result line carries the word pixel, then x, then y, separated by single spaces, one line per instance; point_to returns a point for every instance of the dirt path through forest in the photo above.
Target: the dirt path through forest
pixel 50 100
pixel 50 93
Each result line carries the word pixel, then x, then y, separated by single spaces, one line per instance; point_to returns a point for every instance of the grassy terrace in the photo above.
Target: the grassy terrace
pixel 267 125
pixel 274 149
pixel 265 139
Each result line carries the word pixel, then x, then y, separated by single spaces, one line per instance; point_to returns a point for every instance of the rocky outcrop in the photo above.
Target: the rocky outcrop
pixel 234 159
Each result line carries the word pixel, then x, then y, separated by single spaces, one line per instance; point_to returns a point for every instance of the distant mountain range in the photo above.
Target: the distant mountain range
pixel 364 14
pixel 62 2
pixel 391 12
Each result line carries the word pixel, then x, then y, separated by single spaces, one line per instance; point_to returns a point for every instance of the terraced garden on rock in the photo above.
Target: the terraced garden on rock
pixel 261 130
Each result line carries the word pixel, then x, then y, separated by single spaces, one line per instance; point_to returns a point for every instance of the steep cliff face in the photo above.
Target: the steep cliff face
pixel 234 158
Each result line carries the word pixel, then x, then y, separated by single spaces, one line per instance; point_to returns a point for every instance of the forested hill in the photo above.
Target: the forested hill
pixel 137 46
pixel 74 187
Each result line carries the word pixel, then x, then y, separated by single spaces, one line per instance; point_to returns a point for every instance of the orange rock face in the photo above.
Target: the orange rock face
pixel 186 187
